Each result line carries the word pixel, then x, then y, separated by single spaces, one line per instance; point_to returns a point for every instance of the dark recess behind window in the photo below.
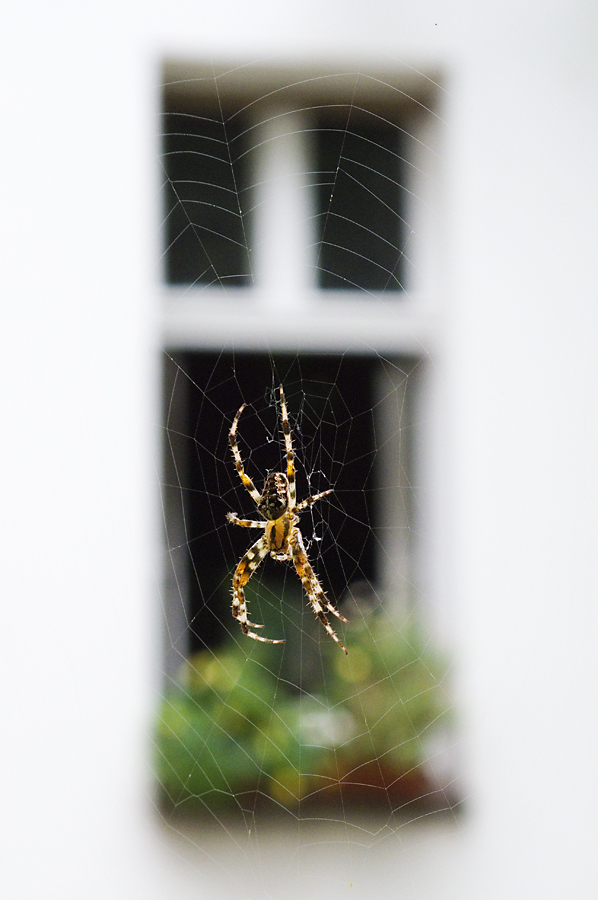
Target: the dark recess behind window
pixel 360 203
pixel 204 227
pixel 330 409
pixel 358 179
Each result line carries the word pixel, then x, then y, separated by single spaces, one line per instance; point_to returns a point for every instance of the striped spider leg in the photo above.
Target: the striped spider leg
pixel 282 539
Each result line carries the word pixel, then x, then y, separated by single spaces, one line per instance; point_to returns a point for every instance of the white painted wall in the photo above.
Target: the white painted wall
pixel 80 632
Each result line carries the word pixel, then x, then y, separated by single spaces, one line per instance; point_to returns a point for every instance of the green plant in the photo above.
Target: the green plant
pixel 235 725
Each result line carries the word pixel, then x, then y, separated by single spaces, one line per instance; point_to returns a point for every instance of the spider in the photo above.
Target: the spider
pixel 282 538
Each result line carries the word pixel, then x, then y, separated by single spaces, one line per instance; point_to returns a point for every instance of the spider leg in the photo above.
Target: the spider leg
pixel 232 437
pixel 305 503
pixel 243 573
pixel 246 523
pixel 312 586
pixel 288 443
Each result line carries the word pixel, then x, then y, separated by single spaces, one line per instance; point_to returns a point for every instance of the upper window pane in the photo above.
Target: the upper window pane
pixel 205 232
pixel 360 199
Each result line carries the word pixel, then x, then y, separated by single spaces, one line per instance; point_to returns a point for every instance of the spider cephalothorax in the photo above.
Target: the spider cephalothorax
pixel 282 538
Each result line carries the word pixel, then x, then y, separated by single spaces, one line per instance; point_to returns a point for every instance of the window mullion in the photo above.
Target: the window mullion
pixel 283 213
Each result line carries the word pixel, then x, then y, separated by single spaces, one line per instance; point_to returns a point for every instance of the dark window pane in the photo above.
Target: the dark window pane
pixel 334 439
pixel 359 207
pixel 204 225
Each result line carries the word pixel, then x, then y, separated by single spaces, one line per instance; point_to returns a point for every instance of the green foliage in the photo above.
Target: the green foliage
pixel 240 723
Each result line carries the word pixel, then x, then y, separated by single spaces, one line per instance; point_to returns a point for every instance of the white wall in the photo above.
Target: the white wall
pixel 79 632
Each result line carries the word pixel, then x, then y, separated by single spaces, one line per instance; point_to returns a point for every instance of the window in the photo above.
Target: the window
pixel 300 248
pixel 297 223
pixel 357 226
pixel 360 204
pixel 205 231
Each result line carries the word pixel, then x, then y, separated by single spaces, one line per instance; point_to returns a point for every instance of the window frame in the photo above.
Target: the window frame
pixel 312 319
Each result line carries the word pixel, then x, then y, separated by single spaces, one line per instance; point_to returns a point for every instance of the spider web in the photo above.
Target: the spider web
pixel 301 249
pixel 500 580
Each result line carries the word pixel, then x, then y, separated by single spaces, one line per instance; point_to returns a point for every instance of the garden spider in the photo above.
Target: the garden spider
pixel 281 539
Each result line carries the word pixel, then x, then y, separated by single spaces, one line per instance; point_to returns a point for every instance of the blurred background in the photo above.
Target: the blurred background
pixel 509 328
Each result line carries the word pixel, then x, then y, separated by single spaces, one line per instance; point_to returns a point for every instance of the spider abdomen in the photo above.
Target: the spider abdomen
pixel 275 496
